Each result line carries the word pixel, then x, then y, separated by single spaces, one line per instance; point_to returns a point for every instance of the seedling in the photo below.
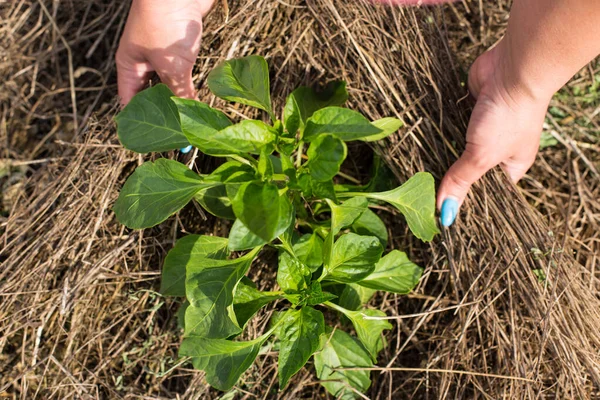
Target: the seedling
pixel 279 186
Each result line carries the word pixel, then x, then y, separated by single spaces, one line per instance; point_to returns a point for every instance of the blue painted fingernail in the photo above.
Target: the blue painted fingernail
pixel 186 149
pixel 449 211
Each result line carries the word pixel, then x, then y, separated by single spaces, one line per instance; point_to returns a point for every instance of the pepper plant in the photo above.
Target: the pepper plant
pixel 278 184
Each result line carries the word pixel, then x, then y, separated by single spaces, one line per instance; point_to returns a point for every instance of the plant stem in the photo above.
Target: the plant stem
pixel 349 178
pixel 335 307
pixel 299 154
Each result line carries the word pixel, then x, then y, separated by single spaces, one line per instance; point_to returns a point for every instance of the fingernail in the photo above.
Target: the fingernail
pixel 186 149
pixel 449 211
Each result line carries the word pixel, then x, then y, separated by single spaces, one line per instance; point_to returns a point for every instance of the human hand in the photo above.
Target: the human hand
pixel 163 37
pixel 504 129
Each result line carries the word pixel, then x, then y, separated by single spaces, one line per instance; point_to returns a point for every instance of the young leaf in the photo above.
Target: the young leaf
pixel 240 238
pixel 340 350
pixel 342 123
pixel 209 288
pixel 315 294
pixel 394 273
pixel 155 191
pixel 299 335
pixel 150 122
pixel 325 156
pixel 265 165
pixel 388 126
pixel 199 121
pixel 354 296
pixel 304 101
pixel 263 210
pixel 188 250
pixel 309 250
pixel 312 188
pixel 369 224
pixel 224 361
pixel 368 330
pixel 292 275
pixel 247 300
pixel 415 199
pixel 353 258
pixel 248 136
pixel 243 80
pixel 345 214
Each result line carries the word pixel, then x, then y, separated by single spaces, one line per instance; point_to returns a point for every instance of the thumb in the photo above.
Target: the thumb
pixel 471 166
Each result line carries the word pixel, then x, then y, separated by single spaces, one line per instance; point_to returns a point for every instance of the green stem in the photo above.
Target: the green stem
pixel 241 159
pixel 299 154
pixel 349 178
pixel 281 177
pixel 335 307
pixel 352 194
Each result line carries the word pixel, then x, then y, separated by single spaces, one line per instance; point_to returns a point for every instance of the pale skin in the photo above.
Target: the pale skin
pixel 546 43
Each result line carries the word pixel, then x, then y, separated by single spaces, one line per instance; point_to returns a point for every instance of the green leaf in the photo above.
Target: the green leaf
pixel 394 273
pixel 248 136
pixel 315 294
pixel 209 288
pixel 243 80
pixel 325 156
pixel 340 122
pixel 309 250
pixel 299 335
pixel 415 199
pixel 340 350
pixel 353 258
pixel 217 200
pixel 263 210
pixel 188 250
pixel 155 191
pixel 200 122
pixel 312 188
pixel 369 224
pixel 181 314
pixel 388 126
pixel 265 165
pixel 240 238
pixel 224 361
pixel 292 275
pixel 368 330
pixel 247 300
pixel 150 122
pixel 304 101
pixel 354 296
pixel 346 213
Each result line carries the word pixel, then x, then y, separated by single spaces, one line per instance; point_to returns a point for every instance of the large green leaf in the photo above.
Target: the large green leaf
pixel 309 250
pixel 248 136
pixel 150 122
pixel 394 273
pixel 224 361
pixel 353 258
pixel 199 121
pixel 247 300
pixel 388 126
pixel 369 224
pixel 292 275
pixel 189 249
pixel 263 210
pixel 340 350
pixel 243 80
pixel 299 335
pixel 304 101
pixel 368 330
pixel 155 191
pixel 209 287
pixel 325 156
pixel 240 238
pixel 415 199
pixel 340 122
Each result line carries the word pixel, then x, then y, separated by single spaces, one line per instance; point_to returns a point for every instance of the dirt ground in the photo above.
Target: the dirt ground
pixel 80 317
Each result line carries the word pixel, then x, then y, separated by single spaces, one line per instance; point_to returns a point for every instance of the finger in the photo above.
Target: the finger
pixel 517 167
pixel 177 75
pixel 132 77
pixel 471 166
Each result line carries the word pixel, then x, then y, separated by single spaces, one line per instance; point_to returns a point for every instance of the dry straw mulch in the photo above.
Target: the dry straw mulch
pixel 79 315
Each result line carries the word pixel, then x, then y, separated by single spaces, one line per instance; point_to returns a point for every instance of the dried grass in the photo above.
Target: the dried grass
pixel 78 315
